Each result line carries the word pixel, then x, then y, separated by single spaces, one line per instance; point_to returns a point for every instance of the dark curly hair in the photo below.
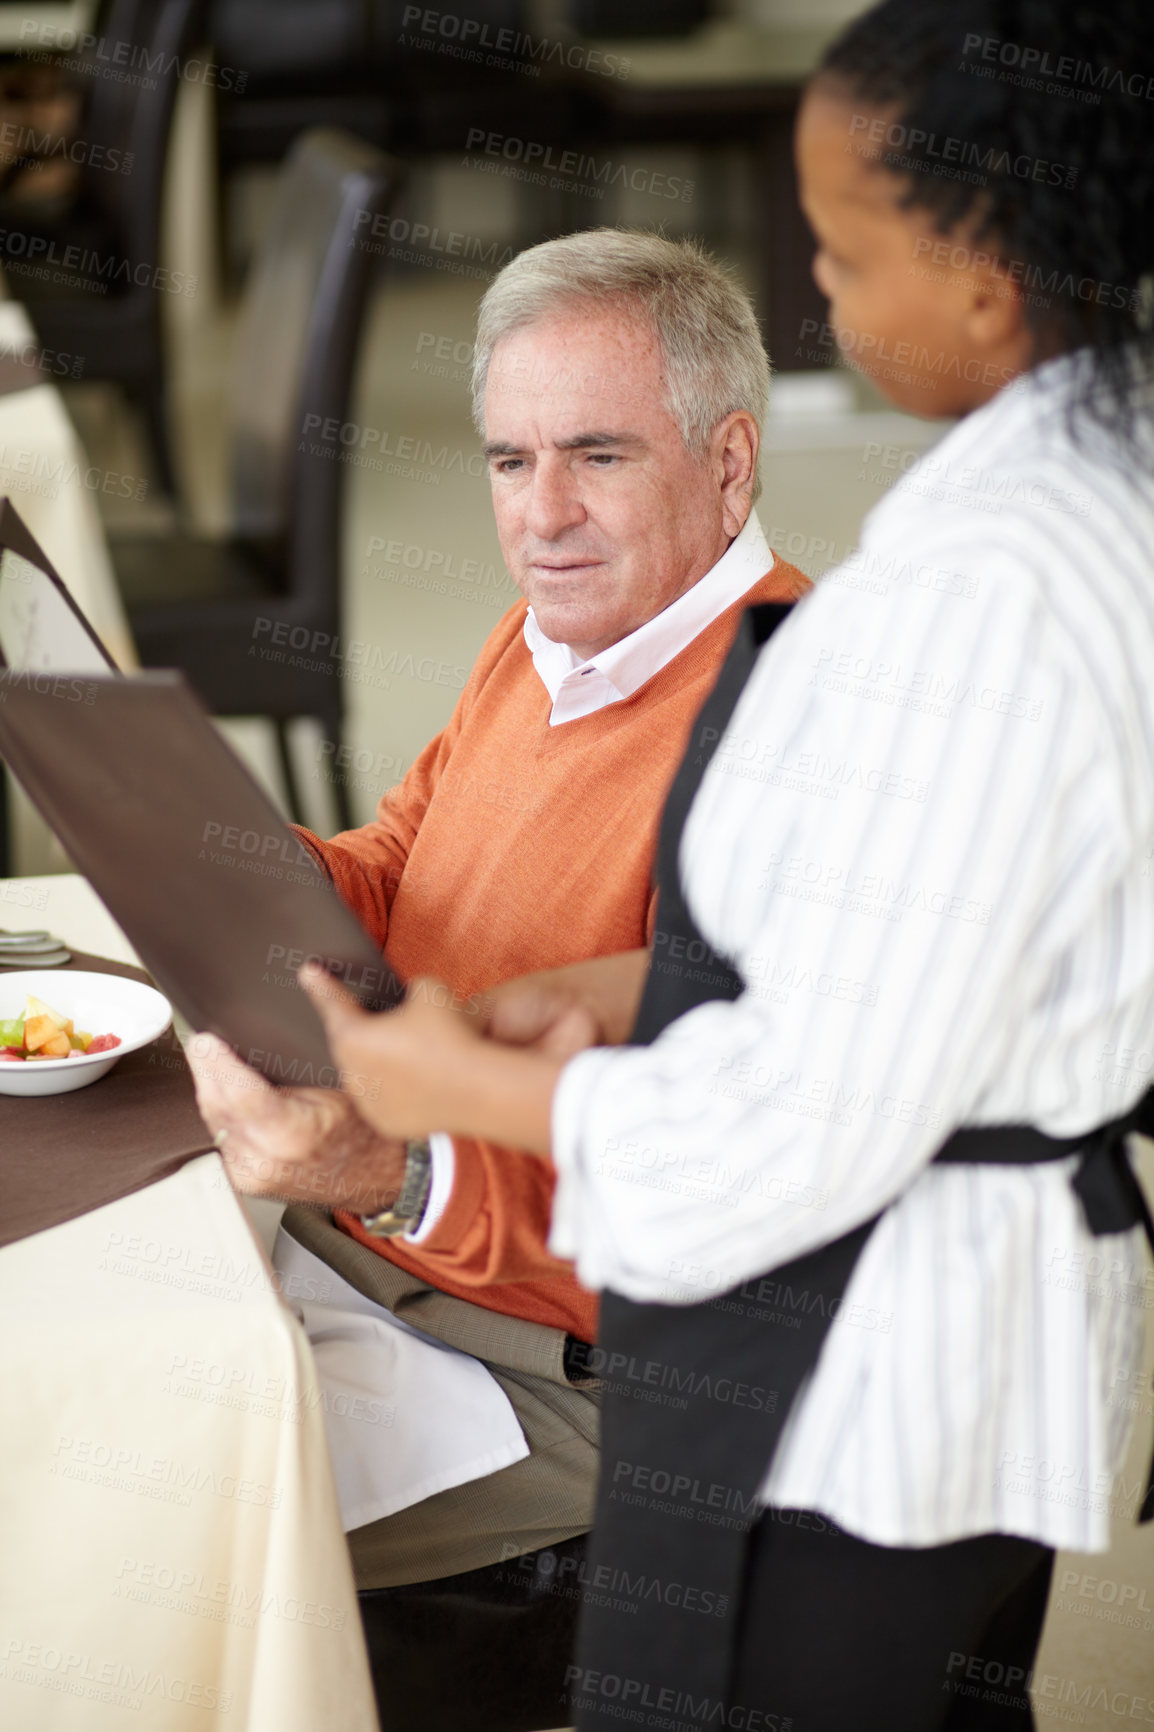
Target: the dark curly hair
pixel 1049 109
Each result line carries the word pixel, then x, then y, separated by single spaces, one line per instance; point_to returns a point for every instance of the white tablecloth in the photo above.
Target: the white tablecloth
pixel 171 1547
pixel 54 487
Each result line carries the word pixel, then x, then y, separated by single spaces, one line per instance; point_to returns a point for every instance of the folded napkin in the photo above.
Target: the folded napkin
pixel 62 1155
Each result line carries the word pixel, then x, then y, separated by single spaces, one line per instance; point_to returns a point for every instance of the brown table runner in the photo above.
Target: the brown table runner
pixel 62 1155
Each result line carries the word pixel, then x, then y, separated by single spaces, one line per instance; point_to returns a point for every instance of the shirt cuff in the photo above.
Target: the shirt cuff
pixel 443 1169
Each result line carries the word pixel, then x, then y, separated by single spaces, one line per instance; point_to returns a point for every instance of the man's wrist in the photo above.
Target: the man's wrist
pixel 403 1214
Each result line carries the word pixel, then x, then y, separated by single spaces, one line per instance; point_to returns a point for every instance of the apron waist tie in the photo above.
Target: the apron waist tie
pixel 1104 1180
pixel 1111 1197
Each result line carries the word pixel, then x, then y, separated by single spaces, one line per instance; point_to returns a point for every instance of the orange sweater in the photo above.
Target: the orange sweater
pixel 511 846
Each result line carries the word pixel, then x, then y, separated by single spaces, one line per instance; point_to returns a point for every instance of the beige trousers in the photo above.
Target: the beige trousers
pixel 544 1498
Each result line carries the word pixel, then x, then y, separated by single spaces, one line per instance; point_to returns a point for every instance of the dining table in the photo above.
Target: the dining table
pixel 172 1554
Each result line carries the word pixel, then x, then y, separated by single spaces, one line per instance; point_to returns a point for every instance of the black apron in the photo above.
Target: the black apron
pixel 696 1396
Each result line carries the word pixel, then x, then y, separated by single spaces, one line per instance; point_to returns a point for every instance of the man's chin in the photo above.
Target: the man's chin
pixel 575 611
pixel 568 625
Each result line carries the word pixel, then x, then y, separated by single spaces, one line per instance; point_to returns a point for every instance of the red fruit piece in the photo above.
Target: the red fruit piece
pixel 14 1053
pixel 102 1043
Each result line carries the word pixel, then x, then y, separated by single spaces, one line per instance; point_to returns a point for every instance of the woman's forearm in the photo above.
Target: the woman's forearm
pixel 502 1095
pixel 505 1095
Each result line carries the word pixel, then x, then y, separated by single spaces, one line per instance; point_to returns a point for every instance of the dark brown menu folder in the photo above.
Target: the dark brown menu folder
pixel 220 900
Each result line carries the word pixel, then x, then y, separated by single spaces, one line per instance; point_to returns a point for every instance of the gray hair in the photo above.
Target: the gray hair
pixel 715 361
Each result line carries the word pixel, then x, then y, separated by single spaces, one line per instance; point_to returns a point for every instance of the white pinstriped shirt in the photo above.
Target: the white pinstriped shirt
pixel 926 843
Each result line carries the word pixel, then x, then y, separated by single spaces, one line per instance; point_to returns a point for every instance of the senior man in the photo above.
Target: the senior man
pixel 619 382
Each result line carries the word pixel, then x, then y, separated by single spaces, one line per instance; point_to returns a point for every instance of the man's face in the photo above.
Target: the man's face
pixel 603 515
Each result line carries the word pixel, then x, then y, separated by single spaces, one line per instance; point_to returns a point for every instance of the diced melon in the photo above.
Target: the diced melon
pixel 38 1030
pixel 58 1047
pixel 37 1007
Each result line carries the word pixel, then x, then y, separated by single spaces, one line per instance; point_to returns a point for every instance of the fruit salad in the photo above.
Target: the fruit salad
pixel 43 1033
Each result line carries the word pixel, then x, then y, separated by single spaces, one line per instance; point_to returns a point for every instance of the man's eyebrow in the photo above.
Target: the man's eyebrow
pixel 579 442
pixel 593 441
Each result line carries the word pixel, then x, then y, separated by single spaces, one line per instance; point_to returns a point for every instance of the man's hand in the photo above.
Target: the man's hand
pixel 292 1145
pixel 563 1010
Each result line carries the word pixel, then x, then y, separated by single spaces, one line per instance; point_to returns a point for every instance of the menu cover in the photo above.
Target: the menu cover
pixel 219 898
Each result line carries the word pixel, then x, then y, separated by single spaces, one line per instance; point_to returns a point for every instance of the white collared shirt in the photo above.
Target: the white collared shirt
pixel 579 688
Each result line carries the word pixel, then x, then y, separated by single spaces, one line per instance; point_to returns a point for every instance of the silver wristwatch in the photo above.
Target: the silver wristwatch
pixel 404 1214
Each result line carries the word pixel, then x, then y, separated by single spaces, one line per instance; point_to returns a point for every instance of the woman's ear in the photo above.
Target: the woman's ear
pixel 995 317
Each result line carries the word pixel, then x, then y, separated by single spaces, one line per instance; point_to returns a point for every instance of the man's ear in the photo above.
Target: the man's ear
pixel 733 452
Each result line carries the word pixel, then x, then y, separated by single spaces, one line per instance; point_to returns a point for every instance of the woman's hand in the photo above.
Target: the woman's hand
pixel 430 1065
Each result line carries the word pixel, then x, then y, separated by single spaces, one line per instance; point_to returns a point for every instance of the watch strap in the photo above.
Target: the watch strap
pixel 405 1211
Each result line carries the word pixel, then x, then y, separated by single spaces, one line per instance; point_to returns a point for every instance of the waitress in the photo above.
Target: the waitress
pixel 844 1207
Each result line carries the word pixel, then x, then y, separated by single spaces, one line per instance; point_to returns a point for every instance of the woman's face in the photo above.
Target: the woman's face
pixel 934 321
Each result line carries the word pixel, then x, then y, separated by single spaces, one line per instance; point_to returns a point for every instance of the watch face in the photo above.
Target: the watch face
pixel 386 1225
pixel 407 1211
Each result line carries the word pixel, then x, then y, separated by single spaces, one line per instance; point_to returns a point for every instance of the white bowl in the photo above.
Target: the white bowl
pixel 98 1003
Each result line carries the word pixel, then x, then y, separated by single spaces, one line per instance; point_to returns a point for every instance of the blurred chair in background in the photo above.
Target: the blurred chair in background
pixel 360 64
pixel 634 19
pixel 103 300
pixel 294 65
pixel 441 99
pixel 255 621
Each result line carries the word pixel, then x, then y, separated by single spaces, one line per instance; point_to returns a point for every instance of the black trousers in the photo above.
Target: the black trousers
pixel 481 1652
pixel 838 1636
pixel 842 1636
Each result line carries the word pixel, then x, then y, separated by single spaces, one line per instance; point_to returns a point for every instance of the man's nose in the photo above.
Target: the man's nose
pixel 554 501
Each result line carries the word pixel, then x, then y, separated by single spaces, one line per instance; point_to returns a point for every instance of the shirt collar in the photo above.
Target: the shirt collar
pixel 577 687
